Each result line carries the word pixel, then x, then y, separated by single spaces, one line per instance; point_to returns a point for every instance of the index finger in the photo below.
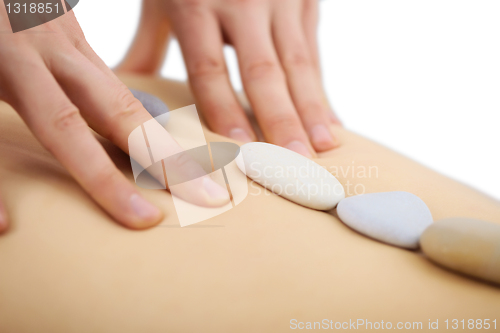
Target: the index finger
pixel 112 110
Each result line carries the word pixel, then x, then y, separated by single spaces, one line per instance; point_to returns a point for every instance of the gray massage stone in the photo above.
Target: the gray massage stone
pixel 396 218
pixel 151 103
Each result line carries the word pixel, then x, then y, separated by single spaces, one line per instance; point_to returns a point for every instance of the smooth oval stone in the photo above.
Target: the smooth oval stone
pixel 290 175
pixel 152 104
pixel 465 245
pixel 396 218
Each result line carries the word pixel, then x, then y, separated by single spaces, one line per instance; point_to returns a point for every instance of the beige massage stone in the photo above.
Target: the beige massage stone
pixel 465 245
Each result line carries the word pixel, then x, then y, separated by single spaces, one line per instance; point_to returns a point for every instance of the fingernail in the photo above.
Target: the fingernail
pixel 321 137
pixel 239 134
pixel 143 208
pixel 299 147
pixel 215 192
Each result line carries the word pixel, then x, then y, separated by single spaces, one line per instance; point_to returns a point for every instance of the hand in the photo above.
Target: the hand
pixel 275 41
pixel 58 85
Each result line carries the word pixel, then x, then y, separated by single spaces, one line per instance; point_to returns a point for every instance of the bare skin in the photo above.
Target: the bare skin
pixel 62 89
pixel 276 45
pixel 68 267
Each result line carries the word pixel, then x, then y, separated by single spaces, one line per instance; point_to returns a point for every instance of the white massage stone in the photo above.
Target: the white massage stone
pixel 397 218
pixel 290 175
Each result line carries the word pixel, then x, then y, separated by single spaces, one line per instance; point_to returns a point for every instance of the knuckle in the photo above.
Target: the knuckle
pixel 246 3
pixel 124 107
pixel 312 109
pixel 243 2
pixel 208 66
pixel 67 118
pixel 124 104
pixel 187 6
pixel 125 101
pixel 79 41
pixel 191 3
pixel 261 69
pixel 297 60
pixel 180 161
pixel 66 55
pixel 282 122
pixel 183 166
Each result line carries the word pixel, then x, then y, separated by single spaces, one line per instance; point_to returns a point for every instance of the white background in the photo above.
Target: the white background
pixel 422 77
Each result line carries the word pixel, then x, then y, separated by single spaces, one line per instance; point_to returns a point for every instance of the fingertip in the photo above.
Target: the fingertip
pixel 145 213
pixel 202 192
pixel 241 135
pixel 215 195
pixel 322 138
pixel 300 148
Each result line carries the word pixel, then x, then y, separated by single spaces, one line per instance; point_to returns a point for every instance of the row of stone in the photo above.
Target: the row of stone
pixel 397 218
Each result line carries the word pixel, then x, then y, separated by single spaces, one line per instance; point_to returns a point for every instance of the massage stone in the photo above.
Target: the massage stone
pixel 396 218
pixel 151 103
pixel 465 245
pixel 290 175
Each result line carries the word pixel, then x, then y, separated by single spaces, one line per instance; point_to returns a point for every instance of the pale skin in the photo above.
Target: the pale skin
pixel 275 42
pixel 60 87
pixel 68 267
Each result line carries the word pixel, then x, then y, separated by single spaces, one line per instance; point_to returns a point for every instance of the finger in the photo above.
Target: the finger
pixel 70 27
pixel 310 18
pixel 147 51
pixel 56 122
pixel 263 78
pixel 298 63
pixel 3 217
pixel 112 111
pixel 201 43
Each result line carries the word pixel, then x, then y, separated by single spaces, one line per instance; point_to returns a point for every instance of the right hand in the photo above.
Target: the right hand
pixel 59 86
pixel 276 47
